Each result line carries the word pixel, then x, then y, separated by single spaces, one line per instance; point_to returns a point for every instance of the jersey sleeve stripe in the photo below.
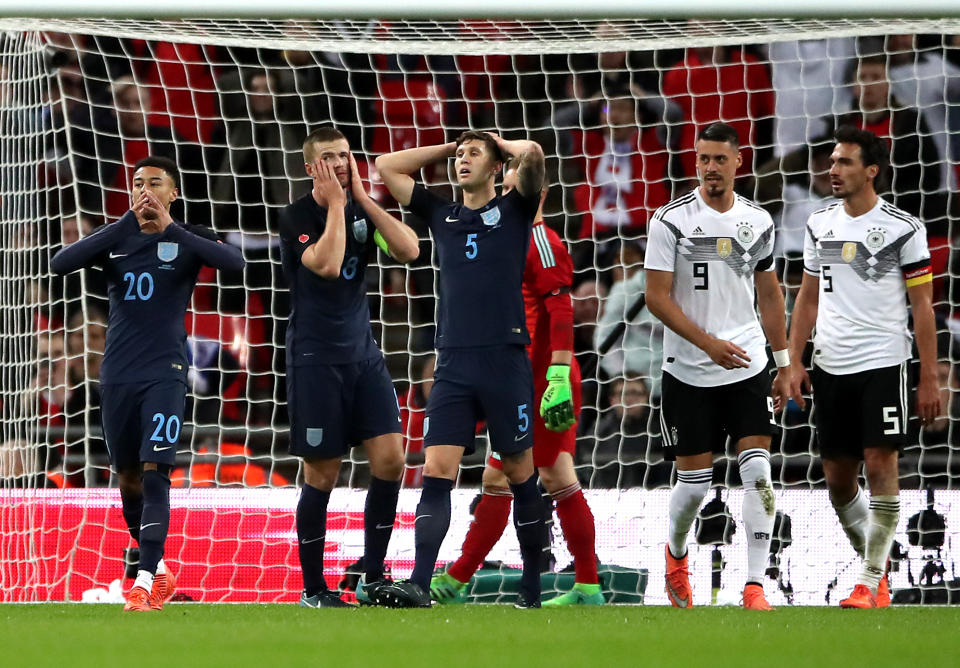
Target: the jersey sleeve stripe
pixel 810 271
pixel 893 211
pixel 543 247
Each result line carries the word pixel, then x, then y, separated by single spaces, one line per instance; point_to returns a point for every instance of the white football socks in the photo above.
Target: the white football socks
pixel 759 510
pixel 144 579
pixel 685 500
pixel 853 517
pixel 884 514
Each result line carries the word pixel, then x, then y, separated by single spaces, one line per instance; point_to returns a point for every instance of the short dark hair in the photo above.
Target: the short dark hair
pixel 321 135
pixel 161 162
pixel 477 135
pixel 720 132
pixel 873 150
pixel 870 59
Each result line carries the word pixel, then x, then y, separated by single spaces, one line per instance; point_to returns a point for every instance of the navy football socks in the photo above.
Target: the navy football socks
pixel 132 512
pixel 379 513
pixel 528 521
pixel 431 524
pixel 155 519
pixel 311 532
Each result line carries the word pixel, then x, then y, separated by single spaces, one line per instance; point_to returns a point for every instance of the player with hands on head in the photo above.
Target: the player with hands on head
pixel 709 255
pixel 861 256
pixel 151 264
pixel 339 392
pixel 546 290
pixel 482 245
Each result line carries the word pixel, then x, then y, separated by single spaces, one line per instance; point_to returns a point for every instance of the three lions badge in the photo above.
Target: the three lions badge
pixel 167 251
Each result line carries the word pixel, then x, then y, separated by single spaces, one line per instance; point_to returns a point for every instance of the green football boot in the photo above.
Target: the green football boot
pixel 444 588
pixel 581 594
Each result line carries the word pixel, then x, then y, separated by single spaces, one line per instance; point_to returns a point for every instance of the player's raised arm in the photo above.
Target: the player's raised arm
pixel 325 257
pixel 81 253
pixel 396 168
pixel 211 251
pixel 531 164
pixel 397 240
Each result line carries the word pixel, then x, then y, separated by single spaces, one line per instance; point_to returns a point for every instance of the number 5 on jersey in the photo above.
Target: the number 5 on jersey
pixel 471 245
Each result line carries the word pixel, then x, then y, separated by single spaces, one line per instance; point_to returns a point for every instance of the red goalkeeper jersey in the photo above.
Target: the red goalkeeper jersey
pixel 547 279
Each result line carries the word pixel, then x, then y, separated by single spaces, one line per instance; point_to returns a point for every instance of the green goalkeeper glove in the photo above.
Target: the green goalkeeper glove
pixel 556 405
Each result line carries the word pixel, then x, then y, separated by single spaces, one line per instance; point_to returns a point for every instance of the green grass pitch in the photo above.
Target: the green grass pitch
pixel 274 636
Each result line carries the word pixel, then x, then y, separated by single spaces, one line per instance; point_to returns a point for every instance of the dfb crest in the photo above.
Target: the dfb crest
pixel 724 247
pixel 167 250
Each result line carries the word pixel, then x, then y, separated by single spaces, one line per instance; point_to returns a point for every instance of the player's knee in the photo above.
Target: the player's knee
pixel 387 467
pixel 321 474
pixel 129 483
pixel 494 479
pixel 519 467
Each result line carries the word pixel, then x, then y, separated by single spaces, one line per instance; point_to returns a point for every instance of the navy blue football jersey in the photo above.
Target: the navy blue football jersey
pixel 482 254
pixel 329 318
pixel 150 280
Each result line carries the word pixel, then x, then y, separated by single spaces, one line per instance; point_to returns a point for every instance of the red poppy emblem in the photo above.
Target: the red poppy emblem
pixel 303 238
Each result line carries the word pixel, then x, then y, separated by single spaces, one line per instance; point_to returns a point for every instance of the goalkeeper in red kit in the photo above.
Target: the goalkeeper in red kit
pixel 546 293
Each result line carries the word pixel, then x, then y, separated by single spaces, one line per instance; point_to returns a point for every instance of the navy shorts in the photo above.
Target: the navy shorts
pixel 696 420
pixel 472 384
pixel 142 422
pixel 333 407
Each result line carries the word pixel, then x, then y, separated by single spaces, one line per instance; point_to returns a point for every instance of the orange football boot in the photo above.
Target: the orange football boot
pixel 138 600
pixel 861 597
pixel 678 581
pixel 163 587
pixel 883 592
pixel 754 598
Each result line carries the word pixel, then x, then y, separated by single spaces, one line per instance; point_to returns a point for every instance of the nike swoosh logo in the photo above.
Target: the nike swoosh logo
pixel 420 517
pixel 385 526
pixel 523 524
pixel 156 449
pixel 451 220
pixel 305 541
pixel 519 438
pixel 680 602
pixel 147 526
pixel 113 255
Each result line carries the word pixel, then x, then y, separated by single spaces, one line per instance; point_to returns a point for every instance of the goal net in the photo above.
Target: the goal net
pixel 615 105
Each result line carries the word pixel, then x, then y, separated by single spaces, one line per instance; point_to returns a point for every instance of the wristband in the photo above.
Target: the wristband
pixel 781 358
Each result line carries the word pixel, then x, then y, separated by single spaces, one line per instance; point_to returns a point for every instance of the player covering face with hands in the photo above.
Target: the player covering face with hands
pixel 338 389
pixel 151 263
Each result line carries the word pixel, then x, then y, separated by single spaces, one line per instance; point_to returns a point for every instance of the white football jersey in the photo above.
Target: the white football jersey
pixel 864 265
pixel 713 257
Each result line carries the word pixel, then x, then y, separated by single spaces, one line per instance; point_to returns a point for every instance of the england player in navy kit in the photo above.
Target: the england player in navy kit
pixel 338 388
pixel 483 371
pixel 151 262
